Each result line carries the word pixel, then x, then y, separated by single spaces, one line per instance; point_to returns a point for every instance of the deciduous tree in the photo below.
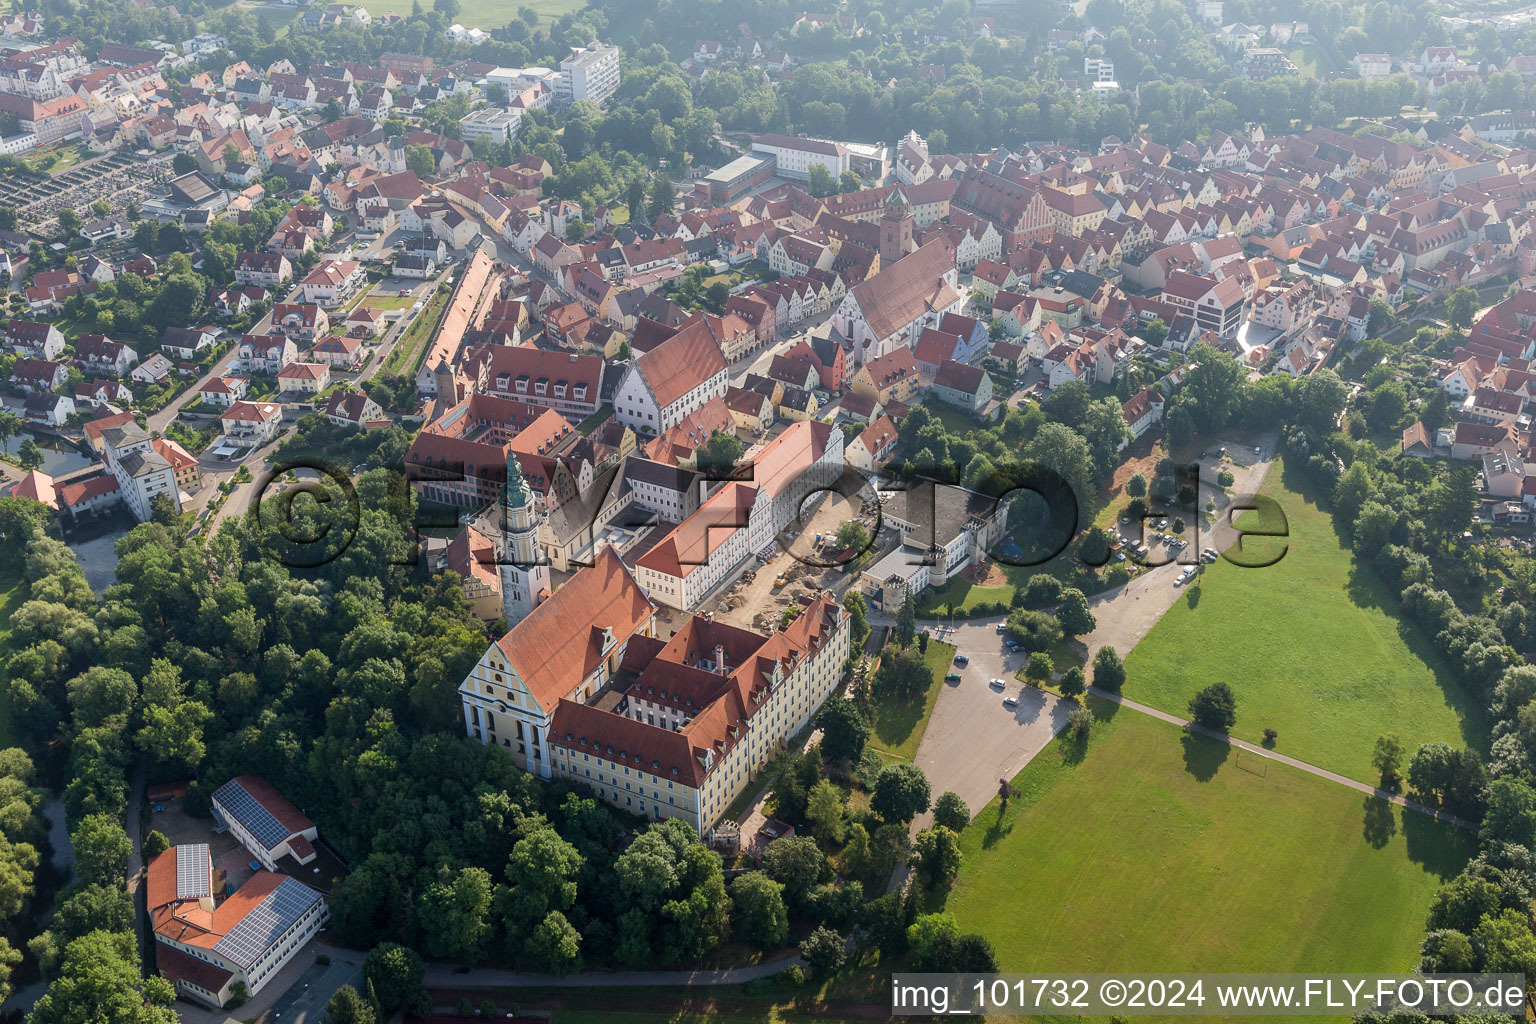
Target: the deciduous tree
pixel 901 792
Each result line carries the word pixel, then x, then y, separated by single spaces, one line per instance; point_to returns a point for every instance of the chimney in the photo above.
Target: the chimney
pixel 720 658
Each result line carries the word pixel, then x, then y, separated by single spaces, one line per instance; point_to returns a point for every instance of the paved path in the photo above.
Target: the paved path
pixel 1310 769
pixel 444 976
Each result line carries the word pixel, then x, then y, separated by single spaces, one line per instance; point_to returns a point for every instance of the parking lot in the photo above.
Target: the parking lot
pixel 974 738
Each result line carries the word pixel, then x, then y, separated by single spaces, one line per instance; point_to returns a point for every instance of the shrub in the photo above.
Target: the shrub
pixel 154 845
pixel 1041 590
pixel 1034 631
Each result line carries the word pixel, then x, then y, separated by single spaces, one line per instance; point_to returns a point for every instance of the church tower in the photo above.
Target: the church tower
pixel 895 228
pixel 524 573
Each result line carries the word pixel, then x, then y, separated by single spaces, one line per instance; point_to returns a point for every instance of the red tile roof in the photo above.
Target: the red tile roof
pixel 559 643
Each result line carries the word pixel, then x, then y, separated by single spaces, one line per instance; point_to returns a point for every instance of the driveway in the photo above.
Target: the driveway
pixel 297 995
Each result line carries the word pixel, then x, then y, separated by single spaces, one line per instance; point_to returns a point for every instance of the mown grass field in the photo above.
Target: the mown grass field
pixel 1313 646
pixel 1155 850
pixel 899 725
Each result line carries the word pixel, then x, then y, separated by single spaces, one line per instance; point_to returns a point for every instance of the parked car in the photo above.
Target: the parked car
pixel 995 683
pixel 1011 701
pixel 962 660
pixel 952 677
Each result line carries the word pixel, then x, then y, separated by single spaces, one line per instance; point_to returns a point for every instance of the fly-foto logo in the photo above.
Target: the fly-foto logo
pixel 310 511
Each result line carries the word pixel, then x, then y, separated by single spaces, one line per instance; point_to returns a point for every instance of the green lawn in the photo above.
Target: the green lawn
pixel 1306 60
pixel 1313 646
pixel 405 358
pixel 278 17
pixel 67 154
pixel 13 591
pixel 965 595
pixel 1156 850
pixel 899 725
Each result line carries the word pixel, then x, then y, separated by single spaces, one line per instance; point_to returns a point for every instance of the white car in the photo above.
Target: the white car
pixel 995 683
pixel 1010 701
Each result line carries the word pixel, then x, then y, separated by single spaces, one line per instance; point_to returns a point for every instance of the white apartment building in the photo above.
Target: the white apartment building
pixel 251 424
pixel 265 822
pixel 661 387
pixel 334 282
pixel 142 473
pixel 497 124
pixel 943 530
pixel 567 648
pixel 591 72
pixel 701 714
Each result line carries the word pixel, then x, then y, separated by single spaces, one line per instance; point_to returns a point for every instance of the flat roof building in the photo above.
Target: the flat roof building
pixel 590 73
pixel 729 183
pixel 494 123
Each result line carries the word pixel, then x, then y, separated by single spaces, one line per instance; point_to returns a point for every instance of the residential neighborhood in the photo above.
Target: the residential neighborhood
pixel 604 510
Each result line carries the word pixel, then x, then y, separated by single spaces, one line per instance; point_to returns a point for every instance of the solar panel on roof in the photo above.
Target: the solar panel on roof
pixel 249 812
pixel 260 929
pixel 193 878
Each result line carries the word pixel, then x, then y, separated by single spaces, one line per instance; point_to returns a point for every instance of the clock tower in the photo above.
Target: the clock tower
pixel 524 572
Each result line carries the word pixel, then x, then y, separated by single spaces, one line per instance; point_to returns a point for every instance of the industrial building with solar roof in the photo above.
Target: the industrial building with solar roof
pixel 209 948
pixel 264 821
